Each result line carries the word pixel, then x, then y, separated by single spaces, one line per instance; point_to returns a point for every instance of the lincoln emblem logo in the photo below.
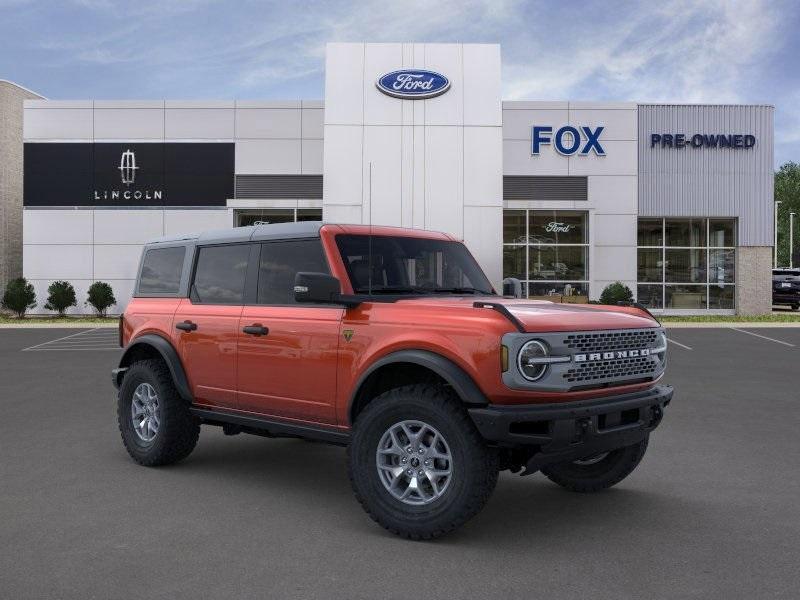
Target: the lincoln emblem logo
pixel 127 167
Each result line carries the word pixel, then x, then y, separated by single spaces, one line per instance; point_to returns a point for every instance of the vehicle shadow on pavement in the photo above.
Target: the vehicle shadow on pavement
pixel 522 508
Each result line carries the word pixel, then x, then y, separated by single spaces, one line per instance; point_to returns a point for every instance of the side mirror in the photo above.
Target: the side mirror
pixel 512 287
pixel 318 288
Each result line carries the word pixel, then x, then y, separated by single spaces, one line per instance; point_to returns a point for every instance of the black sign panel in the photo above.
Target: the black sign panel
pixel 128 174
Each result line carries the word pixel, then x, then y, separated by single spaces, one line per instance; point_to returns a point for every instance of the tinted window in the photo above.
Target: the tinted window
pixel 161 271
pixel 220 273
pixel 280 262
pixel 410 265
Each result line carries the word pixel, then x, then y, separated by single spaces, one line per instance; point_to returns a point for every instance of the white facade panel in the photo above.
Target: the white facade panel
pixel 312 157
pixel 481 227
pixel 614 263
pixel 344 84
pixel 268 157
pixel 382 148
pixel 444 180
pixel 74 124
pixel 57 261
pixel 517 160
pixel 313 123
pixel 127 226
pixel 116 261
pixel 483 166
pixel 189 221
pixel 380 109
pixel 517 124
pixel 447 109
pixel 614 194
pixel 615 230
pixel 57 226
pixel 343 180
pixel 481 102
pixel 617 124
pixel 128 123
pixel 620 159
pixel 342 213
pixel 199 123
pixel 268 123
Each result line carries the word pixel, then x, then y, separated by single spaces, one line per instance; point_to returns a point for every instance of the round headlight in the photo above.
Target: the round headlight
pixel 529 358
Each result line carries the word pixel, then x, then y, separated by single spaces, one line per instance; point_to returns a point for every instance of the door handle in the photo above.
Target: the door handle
pixel 255 329
pixel 186 326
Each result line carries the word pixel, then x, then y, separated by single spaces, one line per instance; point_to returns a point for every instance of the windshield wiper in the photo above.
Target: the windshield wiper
pixel 461 290
pixel 392 289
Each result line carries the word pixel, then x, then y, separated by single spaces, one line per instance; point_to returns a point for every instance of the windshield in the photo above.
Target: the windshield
pixel 408 265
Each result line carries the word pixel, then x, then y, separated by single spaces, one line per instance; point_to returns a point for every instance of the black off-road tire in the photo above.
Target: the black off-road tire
pixel 795 306
pixel 474 465
pixel 178 430
pixel 615 467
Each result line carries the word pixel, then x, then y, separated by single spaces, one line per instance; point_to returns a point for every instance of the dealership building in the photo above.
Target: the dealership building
pixel 673 200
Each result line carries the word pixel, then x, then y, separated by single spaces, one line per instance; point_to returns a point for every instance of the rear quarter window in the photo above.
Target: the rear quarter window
pixel 161 271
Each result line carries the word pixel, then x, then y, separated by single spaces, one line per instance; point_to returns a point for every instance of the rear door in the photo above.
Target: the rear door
pixel 207 323
pixel 287 352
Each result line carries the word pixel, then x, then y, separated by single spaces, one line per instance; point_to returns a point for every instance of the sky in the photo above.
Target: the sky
pixel 651 51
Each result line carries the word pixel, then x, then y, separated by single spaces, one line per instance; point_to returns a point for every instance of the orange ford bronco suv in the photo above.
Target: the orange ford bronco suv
pixel 391 342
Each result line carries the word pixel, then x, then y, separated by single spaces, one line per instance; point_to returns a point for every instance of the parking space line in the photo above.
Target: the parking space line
pixel 90 339
pixel 763 337
pixel 684 346
pixel 58 340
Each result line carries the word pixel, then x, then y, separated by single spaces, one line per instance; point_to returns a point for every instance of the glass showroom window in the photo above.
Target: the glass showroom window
pixel 548 250
pixel 687 264
pixel 263 216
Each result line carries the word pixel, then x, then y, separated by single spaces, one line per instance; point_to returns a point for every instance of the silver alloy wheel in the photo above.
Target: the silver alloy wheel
pixel 145 412
pixel 414 462
pixel 590 460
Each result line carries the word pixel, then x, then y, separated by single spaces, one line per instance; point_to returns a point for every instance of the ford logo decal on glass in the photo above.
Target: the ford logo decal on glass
pixel 413 84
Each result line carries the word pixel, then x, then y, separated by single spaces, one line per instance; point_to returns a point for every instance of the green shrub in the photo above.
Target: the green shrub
pixel 101 297
pixel 60 296
pixel 19 296
pixel 616 292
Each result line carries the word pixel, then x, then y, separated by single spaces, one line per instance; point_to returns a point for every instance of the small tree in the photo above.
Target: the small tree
pixel 60 296
pixel 101 297
pixel 616 292
pixel 19 297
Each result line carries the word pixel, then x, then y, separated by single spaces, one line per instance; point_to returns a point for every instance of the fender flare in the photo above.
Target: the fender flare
pixel 463 385
pixel 168 354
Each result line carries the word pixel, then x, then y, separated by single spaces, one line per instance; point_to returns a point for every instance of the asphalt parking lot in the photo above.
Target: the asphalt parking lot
pixel 713 511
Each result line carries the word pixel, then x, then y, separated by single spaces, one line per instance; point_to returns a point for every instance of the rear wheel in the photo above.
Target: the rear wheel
pixel 417 464
pixel 598 472
pixel 156 425
pixel 795 306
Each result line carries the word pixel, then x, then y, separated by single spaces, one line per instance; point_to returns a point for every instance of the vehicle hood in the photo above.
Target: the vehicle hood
pixel 543 316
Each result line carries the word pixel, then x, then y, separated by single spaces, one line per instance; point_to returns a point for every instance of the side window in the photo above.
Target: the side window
pixel 161 271
pixel 280 262
pixel 220 274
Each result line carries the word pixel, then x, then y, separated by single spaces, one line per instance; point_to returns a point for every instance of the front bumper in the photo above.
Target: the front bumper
pixel 786 297
pixel 552 433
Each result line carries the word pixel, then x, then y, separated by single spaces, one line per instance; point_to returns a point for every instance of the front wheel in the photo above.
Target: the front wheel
pixel 595 473
pixel 417 464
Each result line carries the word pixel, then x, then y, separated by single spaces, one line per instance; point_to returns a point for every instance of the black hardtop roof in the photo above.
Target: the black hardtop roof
pixel 275 231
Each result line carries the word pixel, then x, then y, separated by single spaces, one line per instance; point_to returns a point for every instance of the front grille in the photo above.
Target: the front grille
pixel 633 339
pixel 612 369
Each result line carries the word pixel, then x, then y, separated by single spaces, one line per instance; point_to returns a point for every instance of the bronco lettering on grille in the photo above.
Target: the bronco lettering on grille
pixel 593 356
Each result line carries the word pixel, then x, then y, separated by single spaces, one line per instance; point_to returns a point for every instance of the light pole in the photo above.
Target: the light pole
pixel 777 204
pixel 791 239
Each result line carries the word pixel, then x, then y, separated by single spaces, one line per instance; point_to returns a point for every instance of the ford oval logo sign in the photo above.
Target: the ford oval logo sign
pixel 413 84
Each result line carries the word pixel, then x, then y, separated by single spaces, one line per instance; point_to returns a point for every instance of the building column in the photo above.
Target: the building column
pixel 753 280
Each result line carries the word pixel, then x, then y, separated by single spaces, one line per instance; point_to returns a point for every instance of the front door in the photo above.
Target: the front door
pixel 288 352
pixel 207 324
